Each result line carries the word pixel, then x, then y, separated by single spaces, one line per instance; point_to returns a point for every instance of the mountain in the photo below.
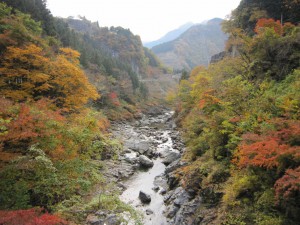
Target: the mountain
pixel 194 47
pixel 170 36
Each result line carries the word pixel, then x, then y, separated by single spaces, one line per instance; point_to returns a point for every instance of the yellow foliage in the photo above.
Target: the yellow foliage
pixel 24 72
pixel 28 74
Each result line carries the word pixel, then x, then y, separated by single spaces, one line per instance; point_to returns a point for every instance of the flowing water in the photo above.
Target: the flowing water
pixel 153 132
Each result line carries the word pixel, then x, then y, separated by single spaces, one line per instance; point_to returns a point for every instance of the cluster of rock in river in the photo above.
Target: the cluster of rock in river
pixel 151 138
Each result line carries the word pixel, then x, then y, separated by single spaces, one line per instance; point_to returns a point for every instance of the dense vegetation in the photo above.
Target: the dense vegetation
pixel 113 58
pixel 239 116
pixel 240 120
pixel 53 131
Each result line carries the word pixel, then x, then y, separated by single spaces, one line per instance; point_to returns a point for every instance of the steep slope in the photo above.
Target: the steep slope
pixel 193 47
pixel 113 58
pixel 170 36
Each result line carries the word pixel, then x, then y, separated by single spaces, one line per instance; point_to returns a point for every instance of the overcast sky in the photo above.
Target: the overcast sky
pixel 150 19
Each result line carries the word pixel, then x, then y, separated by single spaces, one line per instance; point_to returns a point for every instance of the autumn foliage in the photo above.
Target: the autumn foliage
pixel 288 187
pixel 28 73
pixel 29 217
pixel 240 122
pixel 48 135
pixel 268 23
pixel 270 150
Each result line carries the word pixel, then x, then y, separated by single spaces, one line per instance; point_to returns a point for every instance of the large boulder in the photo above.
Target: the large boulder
pixel 139 146
pixel 170 157
pixel 145 161
pixel 145 198
pixel 131 157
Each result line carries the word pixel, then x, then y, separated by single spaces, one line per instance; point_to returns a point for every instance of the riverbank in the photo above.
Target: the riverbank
pixel 151 154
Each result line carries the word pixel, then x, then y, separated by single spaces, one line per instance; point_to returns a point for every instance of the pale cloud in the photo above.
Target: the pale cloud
pixel 150 19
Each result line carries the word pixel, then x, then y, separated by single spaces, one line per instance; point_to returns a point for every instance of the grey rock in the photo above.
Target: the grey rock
pixel 150 153
pixel 186 214
pixel 182 198
pixel 145 161
pixel 131 157
pixel 137 145
pixel 173 181
pixel 171 157
pixel 156 188
pixel 171 211
pixel 149 211
pixel 145 198
pixel 94 220
pixel 112 219
pixel 163 191
pixel 173 166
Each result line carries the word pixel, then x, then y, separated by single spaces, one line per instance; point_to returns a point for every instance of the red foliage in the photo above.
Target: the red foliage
pixel 268 150
pixel 288 186
pixel 265 153
pixel 24 126
pixel 29 217
pixel 270 23
pixel 28 121
pixel 113 96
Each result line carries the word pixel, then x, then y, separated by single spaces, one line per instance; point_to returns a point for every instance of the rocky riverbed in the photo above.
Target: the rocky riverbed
pixel 145 170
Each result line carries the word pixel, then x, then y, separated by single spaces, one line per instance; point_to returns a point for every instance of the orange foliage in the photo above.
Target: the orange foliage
pixel 270 23
pixel 28 74
pixel 24 73
pixel 208 99
pixel 279 28
pixel 72 88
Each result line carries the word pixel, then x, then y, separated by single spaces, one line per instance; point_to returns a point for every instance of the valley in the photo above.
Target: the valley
pixel 201 129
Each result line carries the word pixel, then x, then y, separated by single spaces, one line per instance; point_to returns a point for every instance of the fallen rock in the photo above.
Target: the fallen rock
pixel 145 161
pixel 145 198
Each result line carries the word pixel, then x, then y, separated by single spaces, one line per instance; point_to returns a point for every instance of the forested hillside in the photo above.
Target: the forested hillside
pixel 72 132
pixel 113 58
pixel 240 121
pixel 194 47
pixel 58 84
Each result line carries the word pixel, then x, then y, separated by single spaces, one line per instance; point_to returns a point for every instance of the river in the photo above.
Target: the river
pixel 150 136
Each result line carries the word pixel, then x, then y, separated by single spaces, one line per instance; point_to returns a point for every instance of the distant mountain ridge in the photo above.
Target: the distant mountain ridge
pixel 194 47
pixel 170 36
